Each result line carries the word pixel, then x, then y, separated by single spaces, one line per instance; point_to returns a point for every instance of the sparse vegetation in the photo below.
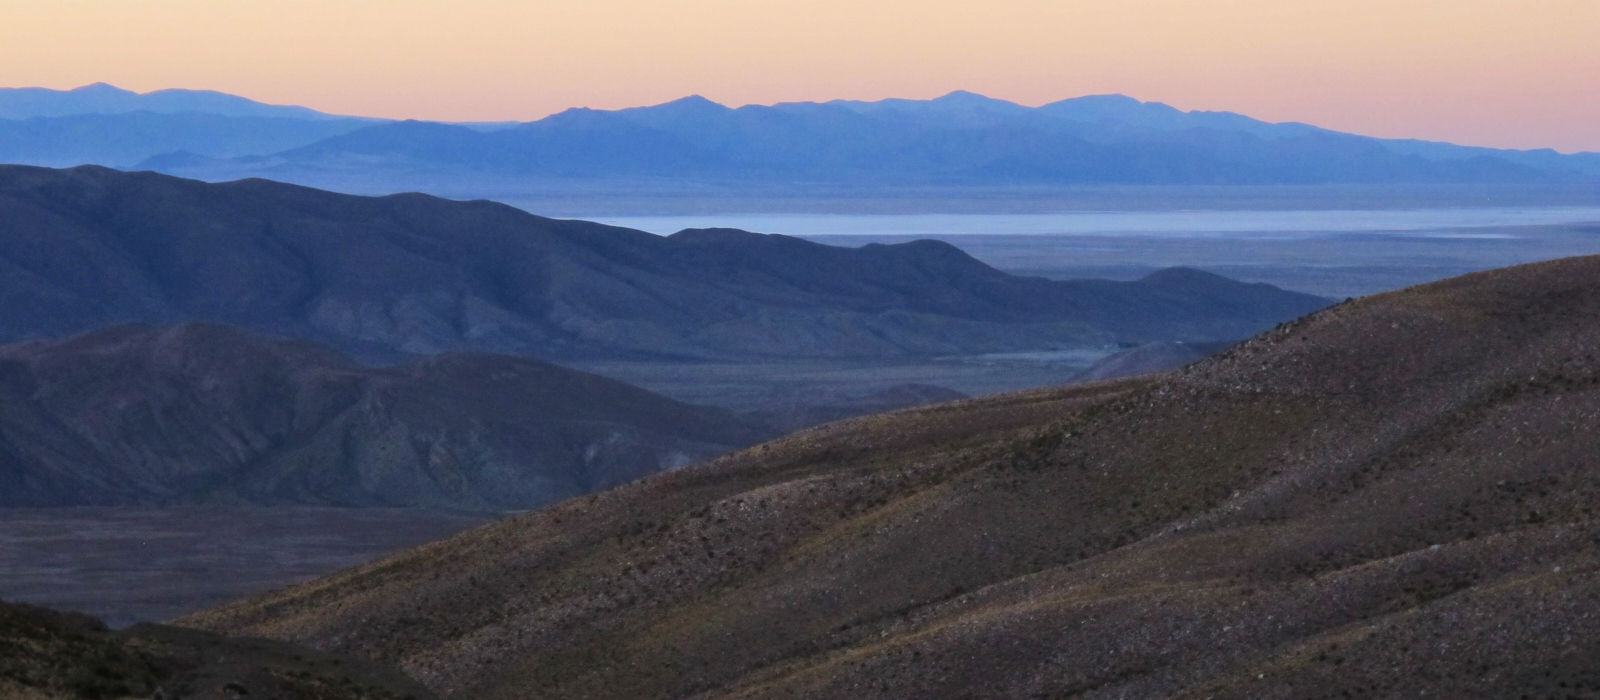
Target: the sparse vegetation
pixel 1393 495
pixel 47 655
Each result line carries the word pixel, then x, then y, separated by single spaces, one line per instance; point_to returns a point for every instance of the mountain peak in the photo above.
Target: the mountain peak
pixel 695 102
pixel 970 107
pixel 1181 275
pixel 1113 98
pixel 685 113
pixel 1108 105
pixel 101 89
pixel 964 98
pixel 963 95
pixel 703 236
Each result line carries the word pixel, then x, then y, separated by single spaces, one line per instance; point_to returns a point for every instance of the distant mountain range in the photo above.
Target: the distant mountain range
pixel 130 138
pixel 105 125
pixel 959 140
pixel 1394 497
pixel 204 414
pixel 100 98
pixel 395 277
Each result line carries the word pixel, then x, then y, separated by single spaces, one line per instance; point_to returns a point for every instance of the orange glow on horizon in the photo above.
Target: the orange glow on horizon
pixel 1507 73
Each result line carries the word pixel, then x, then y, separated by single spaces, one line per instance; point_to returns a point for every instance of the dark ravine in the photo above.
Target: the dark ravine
pixel 206 414
pixel 1393 496
pixel 386 278
pixel 49 655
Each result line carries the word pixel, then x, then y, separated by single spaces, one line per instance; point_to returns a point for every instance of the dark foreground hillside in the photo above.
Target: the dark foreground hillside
pixel 205 414
pixel 47 655
pixel 392 277
pixel 1395 496
pixel 126 564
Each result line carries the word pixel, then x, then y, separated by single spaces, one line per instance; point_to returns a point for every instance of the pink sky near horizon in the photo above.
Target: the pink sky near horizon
pixel 1505 73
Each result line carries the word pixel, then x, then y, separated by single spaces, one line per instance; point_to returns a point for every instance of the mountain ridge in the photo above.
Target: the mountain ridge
pixel 385 278
pixel 948 141
pixel 161 140
pixel 960 139
pixel 102 98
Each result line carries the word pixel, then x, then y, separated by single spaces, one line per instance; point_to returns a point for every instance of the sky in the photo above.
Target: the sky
pixel 1504 73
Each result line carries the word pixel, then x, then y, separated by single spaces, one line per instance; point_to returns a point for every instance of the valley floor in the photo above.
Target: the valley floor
pixel 1330 264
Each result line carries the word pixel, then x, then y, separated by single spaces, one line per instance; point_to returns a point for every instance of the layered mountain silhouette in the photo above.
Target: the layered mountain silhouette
pixel 105 125
pixel 391 277
pixel 169 140
pixel 1391 496
pixel 205 414
pixel 961 139
pixel 100 98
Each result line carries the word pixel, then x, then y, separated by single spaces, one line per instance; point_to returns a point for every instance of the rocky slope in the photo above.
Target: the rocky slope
pixel 1393 496
pixel 200 413
pixel 391 277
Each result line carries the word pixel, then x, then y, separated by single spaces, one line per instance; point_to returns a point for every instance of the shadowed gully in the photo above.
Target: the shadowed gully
pixel 206 414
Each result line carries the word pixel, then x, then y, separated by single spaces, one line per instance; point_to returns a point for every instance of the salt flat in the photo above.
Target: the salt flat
pixel 1333 253
pixel 1309 223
